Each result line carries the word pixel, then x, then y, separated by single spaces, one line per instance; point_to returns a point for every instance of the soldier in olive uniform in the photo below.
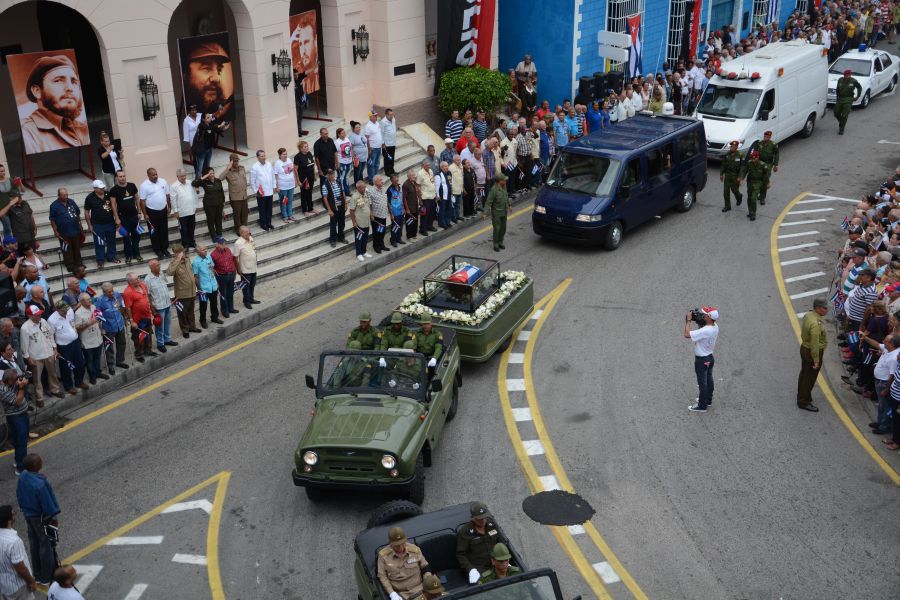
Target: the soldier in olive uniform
pixel 400 566
pixel 768 155
pixel 754 172
pixel 369 337
pixel 475 541
pixel 497 204
pixel 395 335
pixel 409 368
pixel 429 341
pixel 848 90
pixel 731 175
pixel 354 371
pixel 500 566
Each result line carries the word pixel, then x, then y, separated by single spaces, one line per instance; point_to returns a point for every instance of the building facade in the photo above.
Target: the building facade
pixel 563 37
pixel 119 43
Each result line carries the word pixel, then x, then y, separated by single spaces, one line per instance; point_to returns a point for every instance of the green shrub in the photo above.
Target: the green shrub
pixel 472 88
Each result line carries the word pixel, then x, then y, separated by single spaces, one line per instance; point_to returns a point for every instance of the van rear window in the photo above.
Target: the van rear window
pixel 593 175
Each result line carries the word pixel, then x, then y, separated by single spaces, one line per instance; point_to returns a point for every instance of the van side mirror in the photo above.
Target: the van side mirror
pixel 436 385
pixel 763 115
pixel 310 382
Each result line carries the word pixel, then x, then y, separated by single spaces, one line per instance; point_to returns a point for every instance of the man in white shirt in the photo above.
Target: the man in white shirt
pixel 884 368
pixel 376 141
pixel 262 182
pixel 16 580
pixel 63 586
pixel 388 141
pixel 155 206
pixel 704 340
pixel 68 348
pixel 189 127
pixel 184 208
pixel 38 348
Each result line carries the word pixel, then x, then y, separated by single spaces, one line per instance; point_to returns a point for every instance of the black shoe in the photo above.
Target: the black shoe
pixel 377 250
pixel 218 321
pixel 385 249
pixel 752 217
pixel 502 247
pixel 152 354
pixel 202 324
pixel 873 424
pixel 255 301
pixel 393 244
pixel 186 334
pixel 424 233
pixel 846 379
pixel 171 343
pixel 496 248
pixel 167 254
pixel 739 200
pixel 140 359
pixel 103 376
pixel 725 209
pixel 234 312
pixel 841 132
pixel 162 349
pixel 122 365
pixel 195 330
pixel 248 306
pixel 763 202
pixel 401 242
pixel 433 229
pixel 92 380
pixel 343 240
pixel 809 407
pixel 333 244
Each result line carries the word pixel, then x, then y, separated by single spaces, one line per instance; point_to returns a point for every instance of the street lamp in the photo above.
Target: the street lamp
pixel 282 73
pixel 149 96
pixel 360 38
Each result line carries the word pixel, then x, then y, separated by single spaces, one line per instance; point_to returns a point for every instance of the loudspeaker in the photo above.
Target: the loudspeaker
pixel 600 84
pixel 614 81
pixel 8 305
pixel 586 86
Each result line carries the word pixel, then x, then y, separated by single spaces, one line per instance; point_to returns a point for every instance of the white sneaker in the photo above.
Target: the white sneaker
pixel 368 255
pixel 360 258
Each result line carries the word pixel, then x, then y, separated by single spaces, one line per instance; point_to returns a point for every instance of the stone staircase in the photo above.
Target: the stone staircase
pixel 289 247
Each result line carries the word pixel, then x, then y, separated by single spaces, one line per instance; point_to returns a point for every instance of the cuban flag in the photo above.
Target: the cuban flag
pixel 772 12
pixel 634 52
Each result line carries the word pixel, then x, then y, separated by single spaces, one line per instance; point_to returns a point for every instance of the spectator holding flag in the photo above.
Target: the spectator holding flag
pixel 185 290
pixel 112 312
pixel 226 270
pixel 86 320
pixel 208 288
pixel 68 347
pixel 139 316
pixel 161 305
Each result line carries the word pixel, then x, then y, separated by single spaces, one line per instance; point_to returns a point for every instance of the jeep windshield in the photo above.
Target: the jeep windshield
pixel 396 373
pixel 727 101
pixel 592 175
pixel 533 585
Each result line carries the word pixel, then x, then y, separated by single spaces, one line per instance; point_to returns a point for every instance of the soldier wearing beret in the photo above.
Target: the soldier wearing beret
pixel 475 540
pixel 401 566
pixel 54 85
pixel 754 172
pixel 500 566
pixel 429 341
pixel 369 337
pixel 847 91
pixel 731 175
pixel 395 335
pixel 768 155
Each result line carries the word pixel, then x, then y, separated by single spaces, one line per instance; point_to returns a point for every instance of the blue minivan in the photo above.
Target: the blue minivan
pixel 609 182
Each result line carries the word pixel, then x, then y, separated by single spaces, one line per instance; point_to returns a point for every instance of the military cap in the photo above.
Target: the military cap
pixel 501 177
pixel 409 345
pixel 396 535
pixel 354 345
pixel 41 67
pixel 754 154
pixel 396 318
pixel 734 143
pixel 426 318
pixel 431 584
pixel 848 71
pixel 479 509
pixel 210 50
pixel 365 316
pixel 500 552
pixel 767 133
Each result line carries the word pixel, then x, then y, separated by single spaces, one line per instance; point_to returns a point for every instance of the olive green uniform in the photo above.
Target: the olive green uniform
pixel 369 339
pixel 845 98
pixel 754 172
pixel 353 372
pixel 411 371
pixel 497 205
pixel 473 549
pixel 395 339
pixel 430 344
pixel 731 171
pixel 491 574
pixel 768 155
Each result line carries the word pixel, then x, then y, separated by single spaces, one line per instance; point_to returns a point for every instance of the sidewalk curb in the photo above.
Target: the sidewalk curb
pixel 246 320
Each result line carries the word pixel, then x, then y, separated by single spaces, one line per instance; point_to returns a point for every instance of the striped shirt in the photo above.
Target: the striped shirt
pixel 579 119
pixel 489 160
pixel 12 552
pixel 336 190
pixel 895 385
pixel 479 128
pixel 859 300
pixel 453 129
pixel 851 278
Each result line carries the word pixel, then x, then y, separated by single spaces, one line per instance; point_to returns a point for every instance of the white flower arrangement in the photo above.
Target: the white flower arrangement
pixel 511 282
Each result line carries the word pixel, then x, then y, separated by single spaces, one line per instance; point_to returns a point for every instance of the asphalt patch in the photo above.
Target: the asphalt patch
pixel 557 507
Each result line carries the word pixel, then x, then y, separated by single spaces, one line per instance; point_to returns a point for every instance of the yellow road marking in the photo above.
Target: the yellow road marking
pixel 822 382
pixel 261 336
pixel 550 451
pixel 212 535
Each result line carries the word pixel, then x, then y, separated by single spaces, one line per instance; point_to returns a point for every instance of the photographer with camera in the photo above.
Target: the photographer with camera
pixel 704 339
pixel 15 407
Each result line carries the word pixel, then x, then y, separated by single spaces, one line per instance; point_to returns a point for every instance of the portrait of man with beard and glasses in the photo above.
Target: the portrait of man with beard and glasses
pixel 49 99
pixel 305 49
pixel 207 75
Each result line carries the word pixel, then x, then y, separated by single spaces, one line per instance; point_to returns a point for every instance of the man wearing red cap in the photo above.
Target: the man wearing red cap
pixel 848 90
pixel 754 171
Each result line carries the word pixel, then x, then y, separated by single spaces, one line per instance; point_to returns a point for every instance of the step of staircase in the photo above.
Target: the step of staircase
pixel 288 247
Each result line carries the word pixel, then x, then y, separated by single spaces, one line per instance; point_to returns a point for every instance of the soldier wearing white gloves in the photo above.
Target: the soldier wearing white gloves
pixel 474 543
pixel 401 566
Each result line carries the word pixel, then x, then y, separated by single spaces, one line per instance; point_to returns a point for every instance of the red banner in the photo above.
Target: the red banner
pixel 695 29
pixel 485 28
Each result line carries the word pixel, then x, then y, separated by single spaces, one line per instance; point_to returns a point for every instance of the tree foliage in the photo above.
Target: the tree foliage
pixel 472 88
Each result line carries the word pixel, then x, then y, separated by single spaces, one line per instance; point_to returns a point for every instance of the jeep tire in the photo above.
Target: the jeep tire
pixel 454 401
pixel 395 510
pixel 416 490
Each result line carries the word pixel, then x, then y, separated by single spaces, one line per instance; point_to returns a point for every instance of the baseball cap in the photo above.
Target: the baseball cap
pixel 396 535
pixel 9 239
pixel 98 184
pixel 711 311
pixel 34 311
pixel 448 140
pixel 860 252
pixel 219 239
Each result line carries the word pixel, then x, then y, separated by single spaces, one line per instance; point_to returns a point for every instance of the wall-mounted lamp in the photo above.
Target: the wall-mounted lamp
pixel 282 74
pixel 149 96
pixel 360 38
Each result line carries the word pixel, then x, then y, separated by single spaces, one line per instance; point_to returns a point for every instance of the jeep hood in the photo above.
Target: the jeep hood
pixel 373 422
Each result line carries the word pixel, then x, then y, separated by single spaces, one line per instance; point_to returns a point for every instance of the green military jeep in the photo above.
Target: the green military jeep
pixel 378 418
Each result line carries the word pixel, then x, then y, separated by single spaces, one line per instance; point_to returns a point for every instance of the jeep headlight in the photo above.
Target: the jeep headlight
pixel 540 209
pixel 310 457
pixel 589 218
pixel 388 461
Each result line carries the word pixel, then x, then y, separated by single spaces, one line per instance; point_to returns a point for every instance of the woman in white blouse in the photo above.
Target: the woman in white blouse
pixel 284 185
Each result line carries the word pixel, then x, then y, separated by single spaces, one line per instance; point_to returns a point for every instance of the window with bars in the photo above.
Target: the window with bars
pixel 617 12
pixel 677 15
pixel 761 12
pixel 802 6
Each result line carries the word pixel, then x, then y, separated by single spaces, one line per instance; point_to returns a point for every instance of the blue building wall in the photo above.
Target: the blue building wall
pixel 534 28
pixel 593 20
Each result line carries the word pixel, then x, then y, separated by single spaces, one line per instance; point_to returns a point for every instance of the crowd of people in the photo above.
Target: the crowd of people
pixel 866 302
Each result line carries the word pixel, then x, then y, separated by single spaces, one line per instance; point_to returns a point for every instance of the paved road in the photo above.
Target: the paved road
pixel 753 500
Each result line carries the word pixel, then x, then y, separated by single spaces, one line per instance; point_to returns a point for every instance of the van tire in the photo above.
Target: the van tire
pixel 687 200
pixel 809 126
pixel 612 237
pixel 393 511
pixel 865 101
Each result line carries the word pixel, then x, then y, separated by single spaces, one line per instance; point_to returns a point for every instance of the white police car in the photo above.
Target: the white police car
pixel 875 70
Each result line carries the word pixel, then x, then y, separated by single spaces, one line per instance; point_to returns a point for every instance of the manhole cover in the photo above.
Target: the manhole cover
pixel 557 507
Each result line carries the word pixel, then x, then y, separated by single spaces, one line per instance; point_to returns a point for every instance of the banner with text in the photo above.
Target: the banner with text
pixel 465 34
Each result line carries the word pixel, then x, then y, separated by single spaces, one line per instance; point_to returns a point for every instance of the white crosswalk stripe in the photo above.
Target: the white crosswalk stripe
pixel 804 277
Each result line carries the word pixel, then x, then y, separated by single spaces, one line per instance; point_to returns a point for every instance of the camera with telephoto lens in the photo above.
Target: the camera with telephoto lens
pixel 698 317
